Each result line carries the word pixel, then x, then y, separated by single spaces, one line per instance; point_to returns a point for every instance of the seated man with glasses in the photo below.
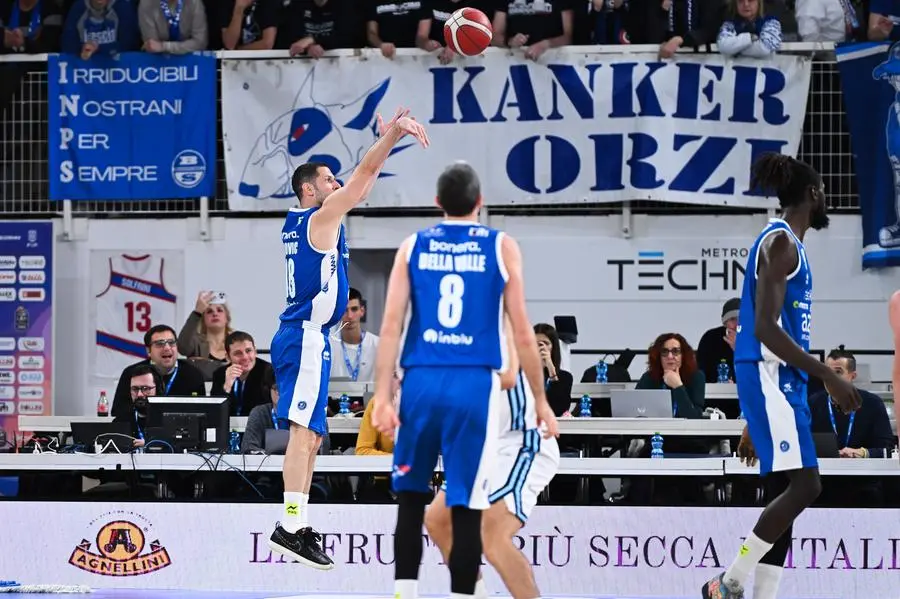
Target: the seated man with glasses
pixel 179 377
pixel 145 382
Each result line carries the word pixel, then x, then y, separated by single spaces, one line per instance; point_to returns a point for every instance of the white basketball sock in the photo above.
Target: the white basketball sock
pixel 481 589
pixel 293 505
pixel 304 510
pixel 406 589
pixel 766 580
pixel 753 550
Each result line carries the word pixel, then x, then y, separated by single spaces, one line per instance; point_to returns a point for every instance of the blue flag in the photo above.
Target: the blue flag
pixel 870 78
pixel 133 127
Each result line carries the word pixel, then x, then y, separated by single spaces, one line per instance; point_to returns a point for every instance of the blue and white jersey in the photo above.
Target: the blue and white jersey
pixel 457 278
pixel 519 415
pixel 317 286
pixel 795 313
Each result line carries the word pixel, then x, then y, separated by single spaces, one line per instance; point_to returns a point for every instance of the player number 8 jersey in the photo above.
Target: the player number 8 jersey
pixel 457 278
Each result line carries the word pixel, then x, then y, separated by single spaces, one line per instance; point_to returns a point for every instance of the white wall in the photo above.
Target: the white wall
pixel 566 272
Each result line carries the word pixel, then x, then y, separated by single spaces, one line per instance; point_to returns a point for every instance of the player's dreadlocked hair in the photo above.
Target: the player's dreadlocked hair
pixel 786 177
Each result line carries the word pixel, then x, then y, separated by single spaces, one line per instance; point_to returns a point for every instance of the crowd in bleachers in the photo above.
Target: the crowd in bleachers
pixel 310 27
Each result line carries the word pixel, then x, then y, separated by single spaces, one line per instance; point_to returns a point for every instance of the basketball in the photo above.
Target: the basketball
pixel 468 32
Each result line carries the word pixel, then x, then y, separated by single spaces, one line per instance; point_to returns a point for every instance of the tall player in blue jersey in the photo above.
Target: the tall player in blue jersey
pixel 772 364
pixel 457 278
pixel 316 258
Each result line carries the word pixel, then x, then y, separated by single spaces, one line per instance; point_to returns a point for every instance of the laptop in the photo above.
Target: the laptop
pixel 276 441
pixel 101 433
pixel 640 403
pixel 826 445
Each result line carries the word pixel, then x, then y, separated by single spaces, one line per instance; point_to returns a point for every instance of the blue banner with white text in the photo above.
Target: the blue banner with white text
pixel 135 127
pixel 574 127
pixel 870 78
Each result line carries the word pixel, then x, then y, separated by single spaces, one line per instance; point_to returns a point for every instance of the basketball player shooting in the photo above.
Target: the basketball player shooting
pixel 316 259
pixel 457 277
pixel 772 364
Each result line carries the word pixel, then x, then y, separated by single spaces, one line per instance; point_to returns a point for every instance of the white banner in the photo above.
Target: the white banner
pixel 574 127
pixel 634 552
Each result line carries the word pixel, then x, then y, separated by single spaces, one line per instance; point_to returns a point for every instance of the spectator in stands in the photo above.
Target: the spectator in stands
pixel 179 378
pixel 369 441
pixel 882 15
pixel 358 348
pixel 824 20
pixel 315 26
pixel 558 382
pixel 391 25
pixel 242 380
pixel 249 24
pixel 31 26
pixel 748 32
pixel 672 364
pixel 866 433
pixel 674 23
pixel 202 338
pixel 610 20
pixel 717 345
pixel 437 13
pixel 173 26
pixel 533 24
pixel 145 382
pixel 105 27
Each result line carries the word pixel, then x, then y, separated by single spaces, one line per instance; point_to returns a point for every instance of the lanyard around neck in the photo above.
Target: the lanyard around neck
pixel 834 422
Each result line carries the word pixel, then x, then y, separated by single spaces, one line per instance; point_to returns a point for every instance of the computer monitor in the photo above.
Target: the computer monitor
pixel 192 423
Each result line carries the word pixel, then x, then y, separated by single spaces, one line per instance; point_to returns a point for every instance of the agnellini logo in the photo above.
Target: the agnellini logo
pixel 120 546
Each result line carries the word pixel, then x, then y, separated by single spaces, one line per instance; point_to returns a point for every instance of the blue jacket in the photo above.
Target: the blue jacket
pixel 115 30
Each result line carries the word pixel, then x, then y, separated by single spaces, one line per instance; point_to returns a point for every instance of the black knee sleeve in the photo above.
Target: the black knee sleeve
pixel 777 483
pixel 778 553
pixel 408 534
pixel 465 556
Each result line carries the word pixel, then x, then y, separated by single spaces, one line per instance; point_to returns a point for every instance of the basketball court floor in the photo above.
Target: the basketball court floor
pixel 179 594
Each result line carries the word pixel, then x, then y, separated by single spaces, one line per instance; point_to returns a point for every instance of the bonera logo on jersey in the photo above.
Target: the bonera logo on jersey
pixel 316 127
pixel 442 338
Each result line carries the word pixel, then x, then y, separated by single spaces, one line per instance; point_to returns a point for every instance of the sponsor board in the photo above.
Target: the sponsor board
pixel 625 551
pixel 121 546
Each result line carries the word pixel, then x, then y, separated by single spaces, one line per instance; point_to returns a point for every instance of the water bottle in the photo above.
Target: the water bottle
pixel 584 410
pixel 103 405
pixel 723 372
pixel 601 372
pixel 344 404
pixel 656 446
pixel 234 442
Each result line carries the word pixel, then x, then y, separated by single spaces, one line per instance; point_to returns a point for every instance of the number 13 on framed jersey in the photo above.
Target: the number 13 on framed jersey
pixel 134 291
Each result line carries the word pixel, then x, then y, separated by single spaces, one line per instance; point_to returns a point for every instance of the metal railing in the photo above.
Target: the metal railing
pixel 24 188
